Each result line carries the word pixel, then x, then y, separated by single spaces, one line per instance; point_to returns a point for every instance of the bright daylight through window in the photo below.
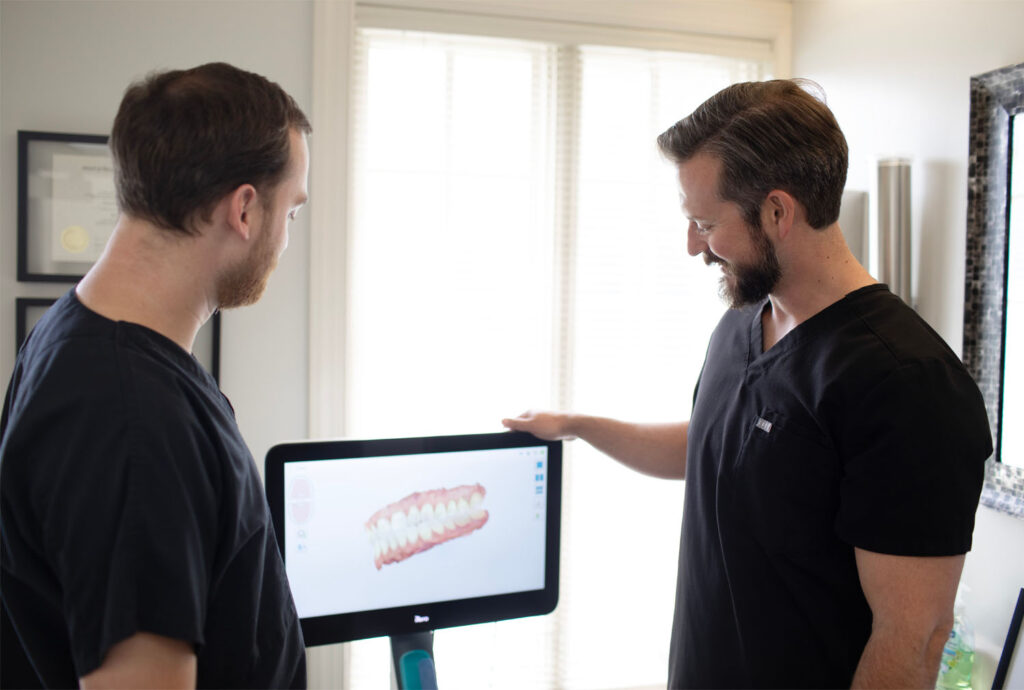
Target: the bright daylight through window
pixel 517 243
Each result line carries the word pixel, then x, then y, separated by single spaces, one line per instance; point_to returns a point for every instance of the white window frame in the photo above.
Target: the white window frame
pixel 758 29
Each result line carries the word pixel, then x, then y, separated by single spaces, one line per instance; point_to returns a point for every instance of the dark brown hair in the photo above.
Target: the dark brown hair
pixel 183 139
pixel 768 135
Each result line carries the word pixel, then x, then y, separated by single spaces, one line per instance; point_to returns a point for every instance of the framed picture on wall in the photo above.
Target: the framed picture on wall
pixel 67 206
pixel 1010 672
pixel 28 311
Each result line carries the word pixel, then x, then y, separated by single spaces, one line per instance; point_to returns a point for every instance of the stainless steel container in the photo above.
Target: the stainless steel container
pixel 891 235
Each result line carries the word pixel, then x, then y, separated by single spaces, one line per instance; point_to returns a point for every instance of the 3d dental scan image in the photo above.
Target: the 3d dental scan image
pixel 422 520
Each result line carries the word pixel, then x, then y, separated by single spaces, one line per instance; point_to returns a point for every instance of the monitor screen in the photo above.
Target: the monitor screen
pixel 393 536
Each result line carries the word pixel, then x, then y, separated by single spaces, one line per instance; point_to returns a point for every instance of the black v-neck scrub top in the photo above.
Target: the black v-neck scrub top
pixel 859 428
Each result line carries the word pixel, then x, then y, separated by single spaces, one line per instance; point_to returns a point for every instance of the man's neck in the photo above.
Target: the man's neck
pixel 154 278
pixel 817 273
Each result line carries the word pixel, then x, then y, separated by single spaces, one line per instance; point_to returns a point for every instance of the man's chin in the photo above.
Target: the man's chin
pixel 244 295
pixel 739 297
pixel 727 293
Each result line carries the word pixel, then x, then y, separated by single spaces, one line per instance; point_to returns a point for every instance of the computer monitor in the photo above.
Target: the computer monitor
pixel 398 536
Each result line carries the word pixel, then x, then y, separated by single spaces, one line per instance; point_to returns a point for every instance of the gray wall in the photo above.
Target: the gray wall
pixel 63 68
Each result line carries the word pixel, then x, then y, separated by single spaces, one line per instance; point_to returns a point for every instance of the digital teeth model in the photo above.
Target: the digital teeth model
pixel 423 520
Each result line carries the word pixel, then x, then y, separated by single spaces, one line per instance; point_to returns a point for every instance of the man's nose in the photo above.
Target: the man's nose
pixel 695 244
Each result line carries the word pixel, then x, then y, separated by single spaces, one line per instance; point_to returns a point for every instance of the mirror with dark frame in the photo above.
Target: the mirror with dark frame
pixel 993 348
pixel 1011 436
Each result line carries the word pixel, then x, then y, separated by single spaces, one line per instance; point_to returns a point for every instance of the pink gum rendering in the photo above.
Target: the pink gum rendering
pixel 420 499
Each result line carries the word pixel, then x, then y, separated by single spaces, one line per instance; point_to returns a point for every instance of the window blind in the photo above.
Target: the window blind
pixel 516 242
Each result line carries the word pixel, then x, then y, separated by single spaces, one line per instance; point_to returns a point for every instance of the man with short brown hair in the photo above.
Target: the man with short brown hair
pixel 834 456
pixel 137 544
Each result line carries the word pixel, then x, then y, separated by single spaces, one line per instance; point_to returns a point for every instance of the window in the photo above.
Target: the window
pixel 452 267
pixel 517 242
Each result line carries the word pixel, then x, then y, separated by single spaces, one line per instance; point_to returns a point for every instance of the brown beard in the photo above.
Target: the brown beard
pixel 244 283
pixel 744 284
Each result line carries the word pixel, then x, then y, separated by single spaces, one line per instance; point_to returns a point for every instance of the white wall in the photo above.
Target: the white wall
pixel 896 75
pixel 63 68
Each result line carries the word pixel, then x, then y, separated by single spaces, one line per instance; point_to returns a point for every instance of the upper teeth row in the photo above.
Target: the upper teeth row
pixel 421 522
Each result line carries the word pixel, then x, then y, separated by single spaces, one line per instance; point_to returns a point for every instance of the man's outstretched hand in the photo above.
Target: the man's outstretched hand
pixel 550 426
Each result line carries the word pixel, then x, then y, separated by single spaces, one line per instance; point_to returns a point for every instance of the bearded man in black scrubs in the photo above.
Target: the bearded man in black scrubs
pixel 834 457
pixel 137 544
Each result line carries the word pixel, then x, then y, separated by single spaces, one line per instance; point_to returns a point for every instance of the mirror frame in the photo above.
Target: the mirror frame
pixel 996 97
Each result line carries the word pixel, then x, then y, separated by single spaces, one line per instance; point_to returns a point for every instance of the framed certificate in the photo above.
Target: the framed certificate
pixel 67 206
pixel 206 346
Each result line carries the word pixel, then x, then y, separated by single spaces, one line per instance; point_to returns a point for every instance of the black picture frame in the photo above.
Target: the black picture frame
pixel 28 310
pixel 1011 648
pixel 24 319
pixel 37 180
pixel 996 97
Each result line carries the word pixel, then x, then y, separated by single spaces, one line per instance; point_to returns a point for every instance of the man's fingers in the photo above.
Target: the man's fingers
pixel 518 422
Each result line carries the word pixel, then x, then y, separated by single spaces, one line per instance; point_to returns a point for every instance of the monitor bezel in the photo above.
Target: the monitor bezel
pixel 402 620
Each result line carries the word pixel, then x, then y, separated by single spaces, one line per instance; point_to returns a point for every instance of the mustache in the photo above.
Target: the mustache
pixel 712 258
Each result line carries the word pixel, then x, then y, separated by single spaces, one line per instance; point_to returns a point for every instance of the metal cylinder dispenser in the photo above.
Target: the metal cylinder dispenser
pixel 890 239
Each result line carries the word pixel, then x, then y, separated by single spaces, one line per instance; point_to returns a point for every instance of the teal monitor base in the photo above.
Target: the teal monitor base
pixel 412 661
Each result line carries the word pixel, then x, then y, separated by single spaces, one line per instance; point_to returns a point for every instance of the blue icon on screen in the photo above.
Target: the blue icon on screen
pixel 540 489
pixel 540 463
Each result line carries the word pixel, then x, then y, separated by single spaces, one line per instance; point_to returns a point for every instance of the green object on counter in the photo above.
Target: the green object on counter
pixel 958 654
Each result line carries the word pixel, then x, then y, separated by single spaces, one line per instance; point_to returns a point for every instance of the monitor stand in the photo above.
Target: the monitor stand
pixel 412 661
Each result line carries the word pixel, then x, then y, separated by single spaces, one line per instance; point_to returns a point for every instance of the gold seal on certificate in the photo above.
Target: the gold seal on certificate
pixel 74 238
pixel 83 208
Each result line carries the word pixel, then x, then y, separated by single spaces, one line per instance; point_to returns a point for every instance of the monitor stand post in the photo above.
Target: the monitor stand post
pixel 412 661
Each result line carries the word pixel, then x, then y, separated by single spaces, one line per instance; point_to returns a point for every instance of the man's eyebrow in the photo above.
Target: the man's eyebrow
pixel 695 217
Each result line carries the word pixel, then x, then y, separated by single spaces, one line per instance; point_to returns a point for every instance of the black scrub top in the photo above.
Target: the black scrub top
pixel 860 428
pixel 130 503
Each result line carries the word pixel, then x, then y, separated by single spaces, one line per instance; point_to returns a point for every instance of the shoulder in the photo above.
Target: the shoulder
pixel 110 388
pixel 83 363
pixel 903 383
pixel 898 328
pixel 66 368
pixel 870 358
pixel 872 336
pixel 910 361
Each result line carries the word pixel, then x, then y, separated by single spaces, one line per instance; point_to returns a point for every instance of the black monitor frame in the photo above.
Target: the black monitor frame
pixel 403 620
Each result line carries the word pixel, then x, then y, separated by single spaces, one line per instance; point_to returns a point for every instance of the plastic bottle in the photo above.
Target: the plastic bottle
pixel 958 654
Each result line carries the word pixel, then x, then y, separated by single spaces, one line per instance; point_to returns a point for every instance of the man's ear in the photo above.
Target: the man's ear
pixel 241 207
pixel 778 213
